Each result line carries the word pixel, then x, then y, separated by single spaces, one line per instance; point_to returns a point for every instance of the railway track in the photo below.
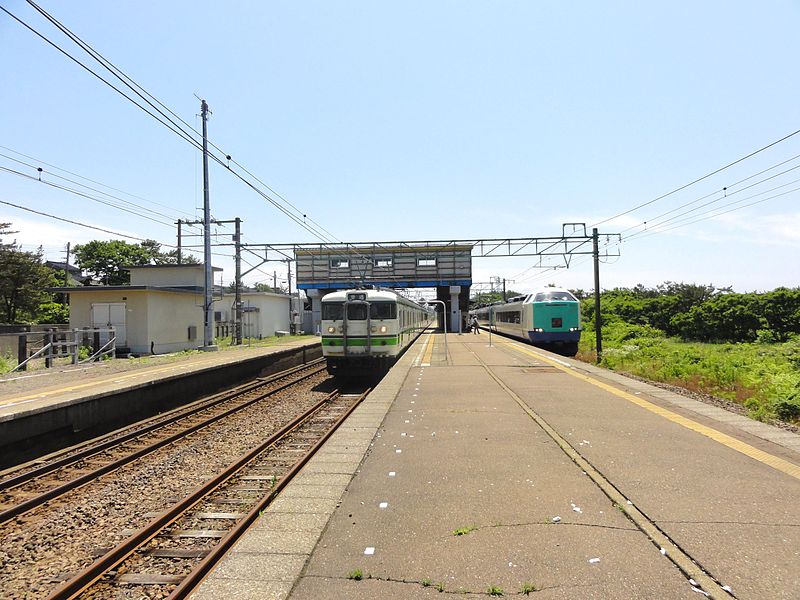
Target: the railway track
pixel 47 479
pixel 188 538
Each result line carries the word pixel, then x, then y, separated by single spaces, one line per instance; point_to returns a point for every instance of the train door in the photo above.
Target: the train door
pixel 356 325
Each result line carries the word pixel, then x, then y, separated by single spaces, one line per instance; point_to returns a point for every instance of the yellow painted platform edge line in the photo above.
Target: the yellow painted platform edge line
pixel 784 466
pixel 140 373
pixel 45 394
pixel 426 358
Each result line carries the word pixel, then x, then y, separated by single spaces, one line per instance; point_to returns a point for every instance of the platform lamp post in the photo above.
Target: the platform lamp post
pixel 444 318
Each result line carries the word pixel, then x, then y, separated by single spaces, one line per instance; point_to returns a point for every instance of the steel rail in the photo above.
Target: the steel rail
pixel 57 491
pixel 196 576
pixel 81 582
pixel 89 448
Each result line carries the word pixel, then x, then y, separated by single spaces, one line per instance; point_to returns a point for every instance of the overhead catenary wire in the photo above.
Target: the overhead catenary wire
pixel 724 192
pixel 163 118
pixel 699 179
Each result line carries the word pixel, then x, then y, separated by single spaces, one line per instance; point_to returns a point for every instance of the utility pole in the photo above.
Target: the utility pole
pixel 289 277
pixel 238 295
pixel 208 283
pixel 66 274
pixel 179 240
pixel 598 332
pixel 504 290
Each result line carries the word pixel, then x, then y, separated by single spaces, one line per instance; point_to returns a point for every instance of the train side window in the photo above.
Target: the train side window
pixel 340 263
pixel 426 262
pixel 383 310
pixel 332 311
pixel 357 312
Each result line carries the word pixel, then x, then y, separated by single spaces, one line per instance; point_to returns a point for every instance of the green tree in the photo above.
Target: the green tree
pixel 485 298
pixel 157 257
pixel 780 310
pixel 52 313
pixel 106 261
pixel 23 286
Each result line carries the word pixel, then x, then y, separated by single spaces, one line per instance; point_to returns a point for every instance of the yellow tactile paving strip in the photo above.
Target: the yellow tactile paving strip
pixel 775 462
pixel 70 388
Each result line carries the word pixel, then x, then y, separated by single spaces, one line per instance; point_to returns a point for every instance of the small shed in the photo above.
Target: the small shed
pixel 263 313
pixel 160 311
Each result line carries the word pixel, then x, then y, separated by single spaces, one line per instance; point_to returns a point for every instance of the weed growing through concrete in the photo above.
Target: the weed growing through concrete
pixel 495 590
pixel 440 586
pixel 465 530
pixel 527 588
pixel 427 582
pixel 356 575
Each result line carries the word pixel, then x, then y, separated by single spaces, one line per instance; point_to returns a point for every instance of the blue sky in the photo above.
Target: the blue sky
pixel 425 120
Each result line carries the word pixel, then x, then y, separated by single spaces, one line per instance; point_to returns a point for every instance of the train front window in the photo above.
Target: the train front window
pixel 356 312
pixel 332 311
pixel 554 297
pixel 383 310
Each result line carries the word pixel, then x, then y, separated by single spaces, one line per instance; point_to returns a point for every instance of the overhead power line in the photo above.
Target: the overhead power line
pixel 65 220
pixel 182 129
pixel 62 170
pixel 699 179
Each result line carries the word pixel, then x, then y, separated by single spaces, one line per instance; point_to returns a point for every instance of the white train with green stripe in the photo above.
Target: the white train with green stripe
pixel 365 331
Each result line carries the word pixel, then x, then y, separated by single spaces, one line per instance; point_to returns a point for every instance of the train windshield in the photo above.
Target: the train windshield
pixel 332 311
pixel 383 310
pixel 554 297
pixel 356 312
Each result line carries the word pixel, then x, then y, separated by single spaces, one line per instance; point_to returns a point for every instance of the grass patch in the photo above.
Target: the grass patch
pixel 465 530
pixel 527 588
pixel 227 342
pixel 356 575
pixel 494 590
pixel 762 377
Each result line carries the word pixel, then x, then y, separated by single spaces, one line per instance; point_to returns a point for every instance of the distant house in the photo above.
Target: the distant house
pixel 160 311
pixel 74 274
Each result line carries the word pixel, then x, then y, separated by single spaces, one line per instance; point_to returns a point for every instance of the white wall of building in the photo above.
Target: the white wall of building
pixel 264 312
pixel 152 316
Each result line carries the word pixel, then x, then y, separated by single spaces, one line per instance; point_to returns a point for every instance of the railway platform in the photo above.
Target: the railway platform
pixel 48 407
pixel 497 469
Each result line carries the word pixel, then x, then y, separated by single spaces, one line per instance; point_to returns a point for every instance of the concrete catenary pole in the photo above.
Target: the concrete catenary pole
pixel 208 283
pixel 238 296
pixel 598 322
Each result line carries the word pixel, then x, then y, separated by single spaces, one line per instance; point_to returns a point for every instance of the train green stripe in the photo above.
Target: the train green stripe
pixel 377 340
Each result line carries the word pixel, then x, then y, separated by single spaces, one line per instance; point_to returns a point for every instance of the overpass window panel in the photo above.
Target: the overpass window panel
pixel 426 262
pixel 383 262
pixel 340 263
pixel 357 312
pixel 332 311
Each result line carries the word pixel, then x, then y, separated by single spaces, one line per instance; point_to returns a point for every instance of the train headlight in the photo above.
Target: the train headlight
pixel 573 329
pixel 538 330
pixel 373 329
pixel 331 329
pixel 384 329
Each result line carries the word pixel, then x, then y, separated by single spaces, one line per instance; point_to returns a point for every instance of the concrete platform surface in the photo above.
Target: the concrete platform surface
pixel 31 392
pixel 501 468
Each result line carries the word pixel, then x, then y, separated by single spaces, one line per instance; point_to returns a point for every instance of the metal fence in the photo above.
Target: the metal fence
pixel 59 343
